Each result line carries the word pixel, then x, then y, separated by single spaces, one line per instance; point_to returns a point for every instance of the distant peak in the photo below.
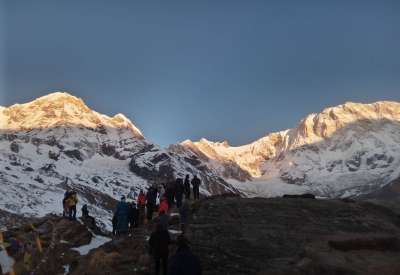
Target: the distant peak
pixel 61 108
pixel 57 94
pixel 204 140
pixel 224 143
pixel 187 142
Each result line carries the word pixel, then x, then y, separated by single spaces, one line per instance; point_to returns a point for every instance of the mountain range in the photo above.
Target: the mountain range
pixel 57 142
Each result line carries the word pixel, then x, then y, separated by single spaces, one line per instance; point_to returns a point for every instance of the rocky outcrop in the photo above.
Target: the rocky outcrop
pixel 75 154
pixel 295 236
pixel 161 166
pixel 48 242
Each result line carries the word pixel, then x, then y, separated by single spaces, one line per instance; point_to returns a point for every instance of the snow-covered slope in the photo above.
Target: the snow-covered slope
pixel 348 150
pixel 56 142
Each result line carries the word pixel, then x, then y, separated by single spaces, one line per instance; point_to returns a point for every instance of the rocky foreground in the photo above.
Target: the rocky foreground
pixel 233 235
pixel 296 236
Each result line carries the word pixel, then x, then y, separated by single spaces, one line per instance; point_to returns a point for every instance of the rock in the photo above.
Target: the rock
pixel 15 163
pixel 284 236
pixel 75 154
pixel 39 179
pixel 303 196
pixel 97 179
pixel 54 155
pixel 380 243
pixel 232 235
pixel 14 147
pixel 108 149
pixel 56 237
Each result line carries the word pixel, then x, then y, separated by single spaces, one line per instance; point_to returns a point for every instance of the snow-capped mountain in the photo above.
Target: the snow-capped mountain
pixel 348 150
pixel 56 142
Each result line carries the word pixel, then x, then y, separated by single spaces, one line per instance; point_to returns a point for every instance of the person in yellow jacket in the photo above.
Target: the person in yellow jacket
pixel 71 202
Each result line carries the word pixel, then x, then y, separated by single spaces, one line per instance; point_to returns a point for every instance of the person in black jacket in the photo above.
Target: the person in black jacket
pixel 196 182
pixel 133 216
pixel 184 262
pixel 170 193
pixel 187 187
pixel 179 190
pixel 159 246
pixel 151 198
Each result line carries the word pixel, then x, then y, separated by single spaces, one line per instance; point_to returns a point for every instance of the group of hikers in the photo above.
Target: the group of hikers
pixel 160 199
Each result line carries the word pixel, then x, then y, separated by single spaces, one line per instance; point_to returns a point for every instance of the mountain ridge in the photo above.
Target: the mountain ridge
pixel 313 128
pixel 57 142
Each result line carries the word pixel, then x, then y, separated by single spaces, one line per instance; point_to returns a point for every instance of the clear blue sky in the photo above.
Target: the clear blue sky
pixel 224 69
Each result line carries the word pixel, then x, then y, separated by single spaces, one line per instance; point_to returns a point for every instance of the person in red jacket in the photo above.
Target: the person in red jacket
pixel 163 205
pixel 141 203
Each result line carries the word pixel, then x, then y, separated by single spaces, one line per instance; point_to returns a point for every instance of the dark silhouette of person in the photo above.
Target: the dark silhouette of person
pixel 187 187
pixel 179 190
pixel 85 211
pixel 159 248
pixel 151 198
pixel 163 220
pixel 121 213
pixel 170 193
pixel 67 194
pixel 87 218
pixel 141 203
pixel 196 182
pixel 133 216
pixel 184 262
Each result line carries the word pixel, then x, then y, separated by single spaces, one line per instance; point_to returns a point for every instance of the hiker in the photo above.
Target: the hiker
pixel 187 187
pixel 141 202
pixel 170 193
pixel 121 214
pixel 151 198
pixel 158 243
pixel 15 247
pixel 179 189
pixel 65 205
pixel 87 217
pixel 163 205
pixel 184 262
pixel 133 216
pixel 71 202
pixel 85 211
pixel 161 191
pixel 184 213
pixel 196 182
pixel 163 220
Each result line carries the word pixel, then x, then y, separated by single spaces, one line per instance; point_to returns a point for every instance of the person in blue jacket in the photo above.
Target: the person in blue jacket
pixel 122 217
